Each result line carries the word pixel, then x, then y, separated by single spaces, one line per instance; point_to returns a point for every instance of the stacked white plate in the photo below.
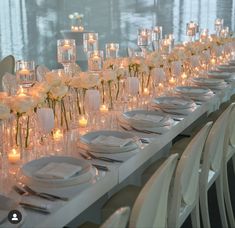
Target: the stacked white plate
pixel 195 93
pixel 31 170
pixel 148 120
pixel 211 83
pixel 108 142
pixel 226 68
pixel 226 76
pixel 175 105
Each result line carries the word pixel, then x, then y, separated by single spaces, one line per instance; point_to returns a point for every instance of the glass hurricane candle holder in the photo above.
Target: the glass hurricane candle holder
pixel 204 35
pixel 25 73
pixel 144 38
pixel 191 30
pixel 90 41
pixel 76 22
pixel 66 53
pixel 156 37
pixel 112 50
pixel 219 22
pixel 165 46
pixel 224 33
pixel 95 60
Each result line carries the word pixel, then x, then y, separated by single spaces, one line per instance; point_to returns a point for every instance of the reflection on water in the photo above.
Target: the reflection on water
pixel 29 29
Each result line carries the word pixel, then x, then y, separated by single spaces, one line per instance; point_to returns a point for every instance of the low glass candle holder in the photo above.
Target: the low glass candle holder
pixel 95 60
pixel 66 53
pixel 165 46
pixel 25 73
pixel 204 35
pixel 112 50
pixel 157 33
pixel 191 30
pixel 224 33
pixel 90 41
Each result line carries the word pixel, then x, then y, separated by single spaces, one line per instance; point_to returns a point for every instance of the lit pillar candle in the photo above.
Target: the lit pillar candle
pixel 172 81
pixel 146 92
pixel 21 92
pixel 184 75
pixel 14 156
pixel 24 72
pixel 82 121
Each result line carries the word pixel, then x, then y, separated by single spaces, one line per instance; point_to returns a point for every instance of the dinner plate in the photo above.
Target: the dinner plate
pixel 29 172
pixel 226 68
pixel 219 75
pixel 192 90
pixel 88 138
pixel 140 118
pixel 173 102
pixel 207 81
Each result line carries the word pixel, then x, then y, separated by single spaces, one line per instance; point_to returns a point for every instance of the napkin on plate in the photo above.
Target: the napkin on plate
pixel 178 102
pixel 111 141
pixel 58 170
pixel 144 117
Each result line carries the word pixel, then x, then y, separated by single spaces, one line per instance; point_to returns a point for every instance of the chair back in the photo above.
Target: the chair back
pixel 150 208
pixel 9 84
pixel 186 182
pixel 214 146
pixel 7 65
pixel 118 219
pixel 231 127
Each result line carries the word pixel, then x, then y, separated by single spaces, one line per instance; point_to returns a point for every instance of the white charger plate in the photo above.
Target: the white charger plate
pixel 219 75
pixel 207 81
pixel 192 90
pixel 172 102
pixel 128 116
pixel 89 137
pixel 30 168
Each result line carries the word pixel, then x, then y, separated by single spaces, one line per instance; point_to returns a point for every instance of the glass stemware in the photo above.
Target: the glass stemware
pixel 95 60
pixel 66 53
pixel 156 37
pixel 90 41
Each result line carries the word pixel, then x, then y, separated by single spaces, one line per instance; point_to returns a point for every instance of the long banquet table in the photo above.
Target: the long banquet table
pixel 84 195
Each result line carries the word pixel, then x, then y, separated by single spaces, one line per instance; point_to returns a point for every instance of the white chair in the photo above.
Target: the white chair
pixel 41 72
pixel 7 65
pixel 184 199
pixel 9 84
pixel 150 207
pixel 212 170
pixel 229 153
pixel 118 219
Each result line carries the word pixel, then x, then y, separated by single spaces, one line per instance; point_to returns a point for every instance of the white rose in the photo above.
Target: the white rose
pixel 58 92
pixel 85 80
pixel 53 79
pixel 4 111
pixel 109 75
pixel 23 104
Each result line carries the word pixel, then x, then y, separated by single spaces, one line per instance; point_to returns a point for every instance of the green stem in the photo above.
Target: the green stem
pixel 148 80
pixel 27 133
pixel 118 87
pixel 17 128
pixel 61 114
pixel 110 95
pixel 78 103
pixel 65 117
pixel 102 84
pixel 142 82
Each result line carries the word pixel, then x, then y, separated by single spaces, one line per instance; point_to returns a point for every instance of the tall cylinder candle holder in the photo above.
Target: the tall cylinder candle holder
pixel 66 53
pixel 144 38
pixel 165 46
pixel 219 23
pixel 224 33
pixel 76 22
pixel 95 60
pixel 90 42
pixel 191 30
pixel 25 73
pixel 156 37
pixel 204 35
pixel 111 50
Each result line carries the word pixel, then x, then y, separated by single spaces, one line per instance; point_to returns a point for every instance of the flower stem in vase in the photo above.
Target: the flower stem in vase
pixel 102 85
pixel 149 75
pixel 78 103
pixel 17 129
pixel 110 94
pixel 61 114
pixel 142 82
pixel 83 100
pixel 118 87
pixel 27 133
pixel 64 112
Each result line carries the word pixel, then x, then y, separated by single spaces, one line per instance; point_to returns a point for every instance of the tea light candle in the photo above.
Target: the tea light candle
pixel 82 121
pixel 172 81
pixel 21 92
pixel 24 72
pixel 74 28
pixel 146 92
pixel 112 47
pixel 213 61
pixel 91 40
pixel 57 134
pixel 14 156
pixel 184 75
pixel 104 108
pixel 66 45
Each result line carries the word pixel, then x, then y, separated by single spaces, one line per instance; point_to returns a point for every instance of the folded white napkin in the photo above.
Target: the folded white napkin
pixel 111 141
pixel 178 102
pixel 55 170
pixel 144 117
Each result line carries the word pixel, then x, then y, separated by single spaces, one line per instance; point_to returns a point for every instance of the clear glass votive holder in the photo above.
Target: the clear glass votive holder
pixel 204 34
pixel 95 60
pixel 111 50
pixel 66 52
pixel 219 23
pixel 25 73
pixel 90 41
